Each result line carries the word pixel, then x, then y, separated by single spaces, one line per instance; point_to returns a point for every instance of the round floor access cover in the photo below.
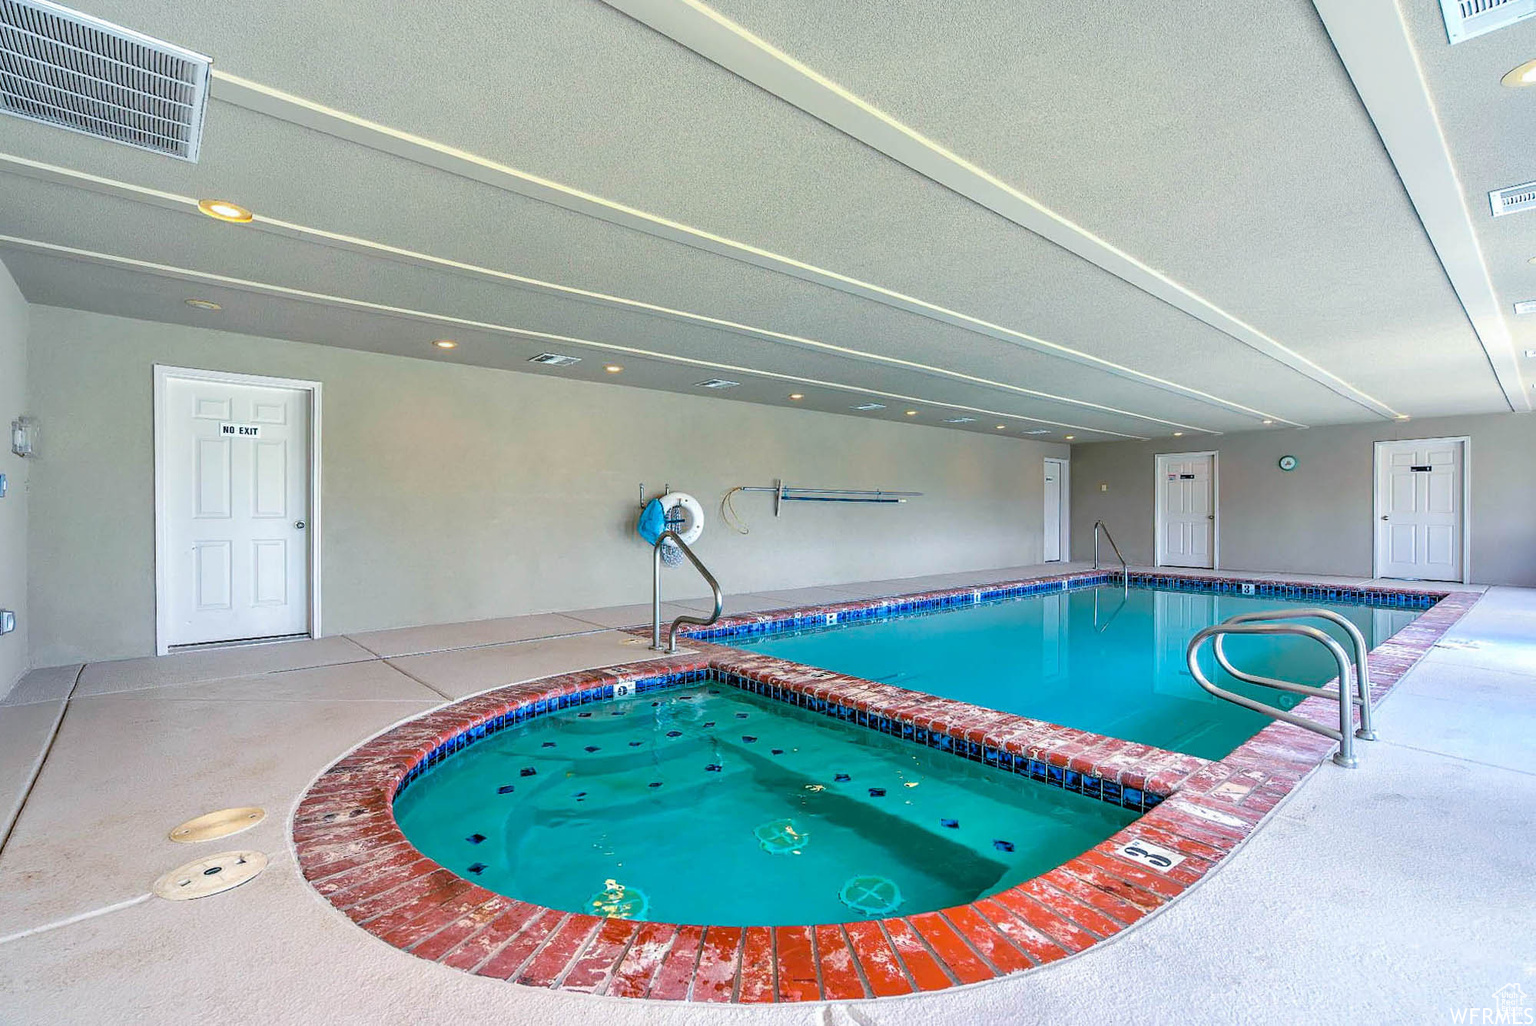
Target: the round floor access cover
pixel 210 875
pixel 218 824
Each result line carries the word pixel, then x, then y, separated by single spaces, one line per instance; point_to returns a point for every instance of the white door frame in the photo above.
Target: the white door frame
pixel 1064 493
pixel 163 375
pixel 1466 499
pixel 1157 502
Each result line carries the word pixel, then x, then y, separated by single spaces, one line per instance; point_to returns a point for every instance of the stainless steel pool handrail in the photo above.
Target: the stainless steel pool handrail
pixel 1344 735
pixel 1125 570
pixel 1100 627
pixel 709 578
pixel 1357 641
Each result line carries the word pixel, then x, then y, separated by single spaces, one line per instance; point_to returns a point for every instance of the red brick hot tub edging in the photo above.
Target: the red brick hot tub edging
pixel 352 852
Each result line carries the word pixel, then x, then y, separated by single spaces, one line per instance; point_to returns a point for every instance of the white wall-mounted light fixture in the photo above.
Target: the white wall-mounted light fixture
pixel 23 436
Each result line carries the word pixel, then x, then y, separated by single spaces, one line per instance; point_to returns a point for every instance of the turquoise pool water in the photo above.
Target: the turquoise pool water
pixel 706 804
pixel 1097 659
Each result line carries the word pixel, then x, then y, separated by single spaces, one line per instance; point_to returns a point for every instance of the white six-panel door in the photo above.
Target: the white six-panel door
pixel 1419 515
pixel 1186 510
pixel 234 511
pixel 1055 500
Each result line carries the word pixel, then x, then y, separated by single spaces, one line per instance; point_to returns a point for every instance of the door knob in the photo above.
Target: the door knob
pixel 299 524
pixel 1384 516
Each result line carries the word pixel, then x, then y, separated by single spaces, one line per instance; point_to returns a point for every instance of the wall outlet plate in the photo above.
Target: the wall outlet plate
pixel 7 621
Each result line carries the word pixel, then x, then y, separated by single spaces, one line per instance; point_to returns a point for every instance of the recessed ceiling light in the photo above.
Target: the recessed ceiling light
pixel 1001 426
pixel 869 406
pixel 204 304
pixel 554 360
pixel 1268 422
pixel 716 383
pixel 797 396
pixel 1178 434
pixel 1524 75
pixel 1069 437
pixel 911 413
pixel 224 210
pixel 959 420
pixel 1401 416
pixel 612 368
pixel 445 343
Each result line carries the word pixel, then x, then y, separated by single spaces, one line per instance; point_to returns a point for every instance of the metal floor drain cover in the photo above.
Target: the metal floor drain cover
pixel 210 875
pixel 218 824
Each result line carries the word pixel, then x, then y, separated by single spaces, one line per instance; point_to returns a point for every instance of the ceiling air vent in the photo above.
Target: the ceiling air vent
pixel 1526 306
pixel 960 420
pixel 1513 199
pixel 870 406
pixel 68 69
pixel 716 383
pixel 548 359
pixel 1465 19
pixel 1037 431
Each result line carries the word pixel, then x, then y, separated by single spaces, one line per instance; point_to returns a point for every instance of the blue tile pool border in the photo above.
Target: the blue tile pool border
pixel 840 614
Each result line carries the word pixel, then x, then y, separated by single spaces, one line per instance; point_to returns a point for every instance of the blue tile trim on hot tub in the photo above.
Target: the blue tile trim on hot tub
pixel 1135 799
pixel 543 707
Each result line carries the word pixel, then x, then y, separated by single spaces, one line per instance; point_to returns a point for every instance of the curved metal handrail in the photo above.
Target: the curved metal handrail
pixel 1357 641
pixel 1125 570
pixel 1100 628
pixel 709 578
pixel 1344 735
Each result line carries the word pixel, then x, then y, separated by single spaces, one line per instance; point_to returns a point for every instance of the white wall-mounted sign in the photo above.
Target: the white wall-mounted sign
pixel 240 430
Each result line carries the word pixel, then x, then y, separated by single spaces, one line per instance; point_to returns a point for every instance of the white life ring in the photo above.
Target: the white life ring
pixel 680 506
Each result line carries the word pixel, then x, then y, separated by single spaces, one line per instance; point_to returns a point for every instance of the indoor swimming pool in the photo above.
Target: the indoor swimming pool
pixel 1102 659
pixel 712 805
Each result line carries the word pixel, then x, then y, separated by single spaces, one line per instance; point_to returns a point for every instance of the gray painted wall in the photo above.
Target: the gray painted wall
pixel 456 493
pixel 1317 518
pixel 13 508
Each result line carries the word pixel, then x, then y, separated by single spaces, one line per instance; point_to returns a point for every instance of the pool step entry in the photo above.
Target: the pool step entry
pixel 1279 622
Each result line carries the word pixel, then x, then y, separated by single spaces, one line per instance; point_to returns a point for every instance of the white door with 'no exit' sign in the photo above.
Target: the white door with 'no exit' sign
pixel 234 507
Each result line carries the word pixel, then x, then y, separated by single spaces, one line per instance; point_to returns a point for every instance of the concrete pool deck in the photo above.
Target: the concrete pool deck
pixel 1395 892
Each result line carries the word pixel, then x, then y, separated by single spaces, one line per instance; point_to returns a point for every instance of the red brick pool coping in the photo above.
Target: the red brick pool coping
pixel 353 853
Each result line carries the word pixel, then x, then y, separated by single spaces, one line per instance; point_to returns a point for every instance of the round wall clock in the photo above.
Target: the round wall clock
pixel 1287 462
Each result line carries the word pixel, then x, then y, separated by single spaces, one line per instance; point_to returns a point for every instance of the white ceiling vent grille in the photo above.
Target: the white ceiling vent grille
pixel 717 383
pixel 1513 199
pixel 1465 19
pixel 554 360
pixel 68 69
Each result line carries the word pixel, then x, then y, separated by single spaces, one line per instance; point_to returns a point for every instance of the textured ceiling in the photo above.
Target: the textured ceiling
pixel 1266 192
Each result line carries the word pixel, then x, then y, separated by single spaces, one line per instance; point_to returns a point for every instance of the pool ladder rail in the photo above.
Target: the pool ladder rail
pixel 1273 622
pixel 709 578
pixel 1100 526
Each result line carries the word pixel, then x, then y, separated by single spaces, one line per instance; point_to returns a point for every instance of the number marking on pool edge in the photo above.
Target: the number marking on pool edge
pixel 623 689
pixel 1249 589
pixel 1148 854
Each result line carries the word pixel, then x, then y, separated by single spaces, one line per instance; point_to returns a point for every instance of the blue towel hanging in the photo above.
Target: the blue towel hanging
pixel 653 521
